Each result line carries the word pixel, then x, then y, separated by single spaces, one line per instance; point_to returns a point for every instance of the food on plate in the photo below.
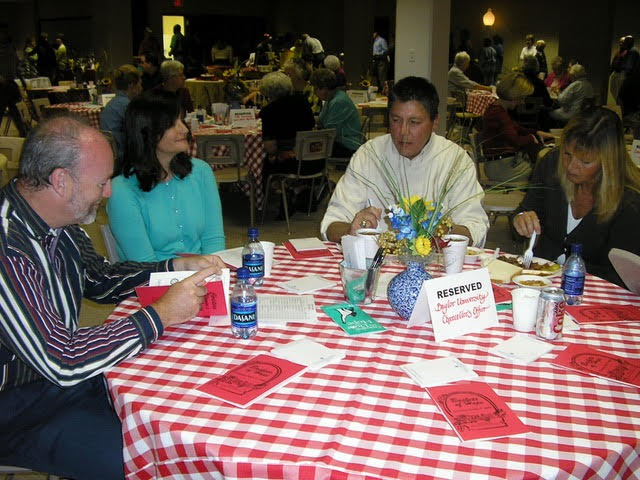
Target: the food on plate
pixel 536 268
pixel 502 272
pixel 533 283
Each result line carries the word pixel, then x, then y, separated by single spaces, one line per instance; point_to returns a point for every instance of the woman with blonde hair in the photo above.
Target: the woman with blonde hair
pixel 587 191
pixel 508 147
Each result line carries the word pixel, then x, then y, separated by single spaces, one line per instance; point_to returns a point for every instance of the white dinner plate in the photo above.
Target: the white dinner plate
pixel 537 260
pixel 473 254
pixel 531 281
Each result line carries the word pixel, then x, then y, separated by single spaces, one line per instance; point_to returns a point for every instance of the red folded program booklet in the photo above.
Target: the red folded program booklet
pixel 214 302
pixel 501 294
pixel 600 364
pixel 475 411
pixel 252 380
pixel 603 313
pixel 325 252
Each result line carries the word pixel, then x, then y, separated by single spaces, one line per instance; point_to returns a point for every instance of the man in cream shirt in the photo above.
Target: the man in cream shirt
pixel 410 151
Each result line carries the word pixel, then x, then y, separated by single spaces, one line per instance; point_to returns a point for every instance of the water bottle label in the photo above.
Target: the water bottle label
pixel 254 262
pixel 573 285
pixel 244 314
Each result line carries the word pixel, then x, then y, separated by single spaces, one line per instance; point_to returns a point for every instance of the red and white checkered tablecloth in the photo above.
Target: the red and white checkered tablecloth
pixel 254 155
pixel 364 418
pixel 88 110
pixel 479 100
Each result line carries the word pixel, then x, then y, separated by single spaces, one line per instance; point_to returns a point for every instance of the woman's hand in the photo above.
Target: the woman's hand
pixel 526 223
pixel 366 218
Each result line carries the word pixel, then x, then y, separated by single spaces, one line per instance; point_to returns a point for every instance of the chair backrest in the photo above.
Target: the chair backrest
pixel 67 83
pixel 358 96
pixel 24 112
pixel 627 266
pixel 365 121
pixel 38 103
pixel 615 108
pixel 11 147
pixel 109 243
pixel 226 150
pixel 314 144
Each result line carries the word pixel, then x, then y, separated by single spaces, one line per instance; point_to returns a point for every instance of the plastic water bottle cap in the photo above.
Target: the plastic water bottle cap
pixel 242 273
pixel 253 232
pixel 576 248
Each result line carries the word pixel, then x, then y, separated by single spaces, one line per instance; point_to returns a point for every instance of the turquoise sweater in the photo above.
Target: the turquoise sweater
pixel 340 113
pixel 178 216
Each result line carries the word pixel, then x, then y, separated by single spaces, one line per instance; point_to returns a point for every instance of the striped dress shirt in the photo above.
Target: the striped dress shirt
pixel 44 274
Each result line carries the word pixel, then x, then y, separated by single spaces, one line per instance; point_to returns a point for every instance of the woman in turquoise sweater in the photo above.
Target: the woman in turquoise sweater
pixel 164 202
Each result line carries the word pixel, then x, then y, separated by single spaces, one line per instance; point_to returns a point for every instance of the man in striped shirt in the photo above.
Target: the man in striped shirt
pixel 54 410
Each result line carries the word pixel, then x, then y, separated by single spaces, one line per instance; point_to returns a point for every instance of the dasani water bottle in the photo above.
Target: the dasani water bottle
pixel 253 258
pixel 244 307
pixel 573 273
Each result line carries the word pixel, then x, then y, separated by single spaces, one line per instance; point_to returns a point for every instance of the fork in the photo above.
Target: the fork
pixel 528 253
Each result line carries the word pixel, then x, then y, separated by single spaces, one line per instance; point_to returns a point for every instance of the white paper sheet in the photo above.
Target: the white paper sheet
pixel 281 309
pixel 522 348
pixel 304 244
pixel 439 371
pixel 231 256
pixel 307 352
pixel 307 284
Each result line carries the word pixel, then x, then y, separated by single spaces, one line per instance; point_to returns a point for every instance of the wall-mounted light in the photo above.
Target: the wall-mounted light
pixel 488 18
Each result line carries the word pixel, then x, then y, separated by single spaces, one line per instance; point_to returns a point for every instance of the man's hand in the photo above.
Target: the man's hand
pixel 526 223
pixel 366 218
pixel 198 262
pixel 183 300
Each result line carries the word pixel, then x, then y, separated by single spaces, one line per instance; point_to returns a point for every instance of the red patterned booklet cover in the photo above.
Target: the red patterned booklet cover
pixel 475 411
pixel 600 364
pixel 603 313
pixel 300 255
pixel 252 380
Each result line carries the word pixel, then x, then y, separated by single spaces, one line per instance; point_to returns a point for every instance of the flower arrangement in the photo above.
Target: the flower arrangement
pixel 417 225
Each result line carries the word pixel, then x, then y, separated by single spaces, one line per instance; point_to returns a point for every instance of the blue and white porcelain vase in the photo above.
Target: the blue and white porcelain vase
pixel 404 288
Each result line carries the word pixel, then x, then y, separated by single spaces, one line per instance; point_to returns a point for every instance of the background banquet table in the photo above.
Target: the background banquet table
pixel 364 418
pixel 88 111
pixel 479 100
pixel 205 92
pixel 254 153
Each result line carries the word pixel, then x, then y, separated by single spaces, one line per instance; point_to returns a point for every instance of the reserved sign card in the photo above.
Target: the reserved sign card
pixel 456 304
pixel 245 117
pixel 600 364
pixel 476 412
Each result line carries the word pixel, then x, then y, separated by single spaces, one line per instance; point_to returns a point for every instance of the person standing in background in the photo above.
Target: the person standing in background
pixel 487 61
pixel 380 60
pixel 150 71
pixel 529 47
pixel 9 91
pixel 623 63
pixel 542 59
pixel 312 50
pixel 499 48
pixel 150 44
pixel 46 57
pixel 177 49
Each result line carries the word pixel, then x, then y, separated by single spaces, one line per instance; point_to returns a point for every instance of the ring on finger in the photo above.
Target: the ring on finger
pixel 364 223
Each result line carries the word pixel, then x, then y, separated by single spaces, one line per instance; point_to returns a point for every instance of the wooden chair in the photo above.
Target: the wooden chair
pixel 501 199
pixel 528 113
pixel 310 145
pixel 627 267
pixel 38 104
pixel 9 472
pixel 11 147
pixel 109 243
pixel 225 154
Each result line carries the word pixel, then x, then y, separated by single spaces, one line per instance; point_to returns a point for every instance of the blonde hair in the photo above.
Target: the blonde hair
pixel 513 86
pixel 597 135
pixel 125 75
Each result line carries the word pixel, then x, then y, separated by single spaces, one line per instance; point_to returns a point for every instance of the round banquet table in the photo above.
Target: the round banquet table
pixel 364 418
pixel 88 111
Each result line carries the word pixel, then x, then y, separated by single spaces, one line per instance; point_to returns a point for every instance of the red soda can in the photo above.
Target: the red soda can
pixel 550 314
